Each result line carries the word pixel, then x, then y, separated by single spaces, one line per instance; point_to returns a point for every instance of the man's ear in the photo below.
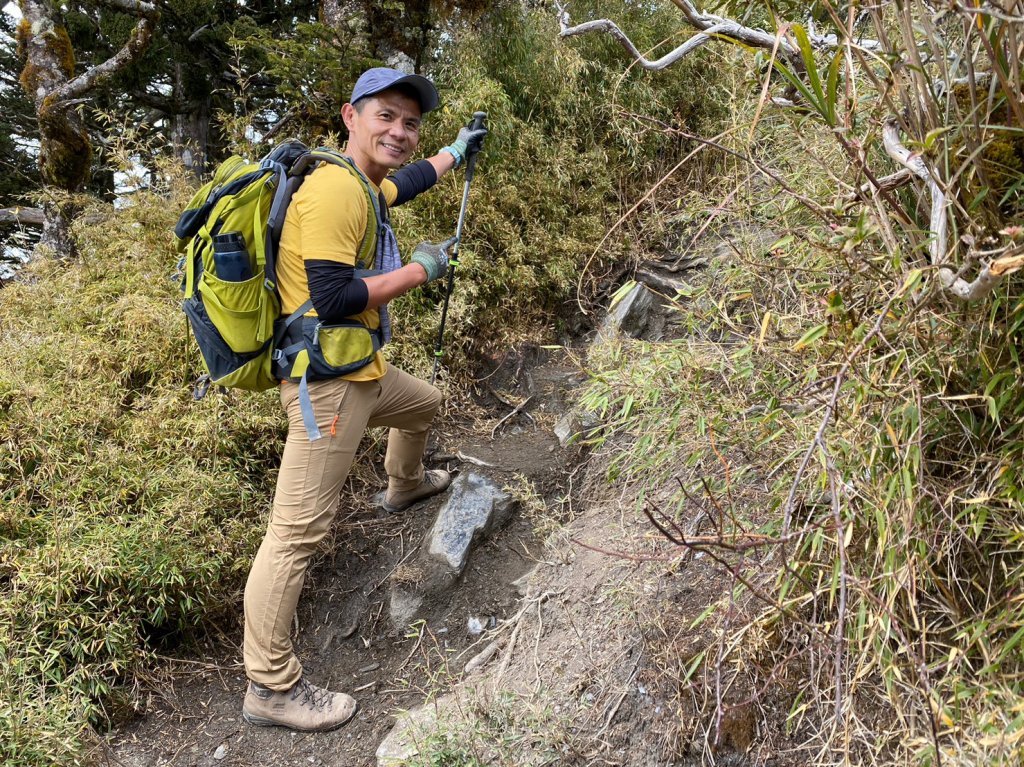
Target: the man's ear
pixel 347 113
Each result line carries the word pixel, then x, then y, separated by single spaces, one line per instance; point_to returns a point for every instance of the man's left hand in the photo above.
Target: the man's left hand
pixel 466 144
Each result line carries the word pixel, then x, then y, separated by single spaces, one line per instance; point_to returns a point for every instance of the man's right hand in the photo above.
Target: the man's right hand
pixel 432 257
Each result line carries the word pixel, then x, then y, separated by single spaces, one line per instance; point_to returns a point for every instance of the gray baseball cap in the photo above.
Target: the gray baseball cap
pixel 381 78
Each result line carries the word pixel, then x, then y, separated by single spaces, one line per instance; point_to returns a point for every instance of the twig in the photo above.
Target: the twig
pixel 475 461
pixel 517 409
pixel 481 658
pixel 517 621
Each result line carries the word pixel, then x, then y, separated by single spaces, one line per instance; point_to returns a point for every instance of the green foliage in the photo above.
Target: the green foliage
pixel 17 123
pixel 557 168
pixel 882 591
pixel 312 69
pixel 822 97
pixel 129 513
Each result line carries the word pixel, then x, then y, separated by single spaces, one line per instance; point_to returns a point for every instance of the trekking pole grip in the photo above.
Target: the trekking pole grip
pixel 479 121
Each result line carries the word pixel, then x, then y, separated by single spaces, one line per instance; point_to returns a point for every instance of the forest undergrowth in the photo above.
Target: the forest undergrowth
pixel 846 425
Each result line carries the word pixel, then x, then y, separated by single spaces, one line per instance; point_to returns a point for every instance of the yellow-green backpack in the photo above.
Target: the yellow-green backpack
pixel 236 322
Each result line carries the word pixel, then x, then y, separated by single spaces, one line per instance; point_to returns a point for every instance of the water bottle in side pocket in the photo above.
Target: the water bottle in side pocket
pixel 230 258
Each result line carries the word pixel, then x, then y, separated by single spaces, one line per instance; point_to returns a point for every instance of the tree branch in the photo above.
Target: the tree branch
pixel 137 43
pixel 23 216
pixel 133 7
pixel 604 25
pixel 708 26
pixel 992 273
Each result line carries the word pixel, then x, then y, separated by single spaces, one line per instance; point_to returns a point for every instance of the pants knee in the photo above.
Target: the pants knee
pixel 435 400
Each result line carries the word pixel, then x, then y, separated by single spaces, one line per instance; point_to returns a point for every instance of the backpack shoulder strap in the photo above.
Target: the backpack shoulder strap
pixel 375 202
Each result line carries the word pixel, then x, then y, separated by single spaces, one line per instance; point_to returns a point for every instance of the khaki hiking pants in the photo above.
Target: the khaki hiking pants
pixel 306 499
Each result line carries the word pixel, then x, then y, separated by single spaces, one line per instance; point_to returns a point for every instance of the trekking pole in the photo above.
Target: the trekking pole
pixel 453 261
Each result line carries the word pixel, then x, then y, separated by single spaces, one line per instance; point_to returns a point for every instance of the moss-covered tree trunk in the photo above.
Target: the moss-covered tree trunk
pixel 190 129
pixel 48 77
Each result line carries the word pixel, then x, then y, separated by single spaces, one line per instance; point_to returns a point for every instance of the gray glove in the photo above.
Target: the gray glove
pixel 467 143
pixel 433 258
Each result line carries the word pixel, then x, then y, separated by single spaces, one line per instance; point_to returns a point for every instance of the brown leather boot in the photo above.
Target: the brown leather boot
pixel 304 707
pixel 434 481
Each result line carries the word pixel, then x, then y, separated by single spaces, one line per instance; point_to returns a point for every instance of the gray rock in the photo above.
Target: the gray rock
pixel 221 752
pixel 631 314
pixel 400 745
pixel 474 508
pixel 405 606
pixel 565 429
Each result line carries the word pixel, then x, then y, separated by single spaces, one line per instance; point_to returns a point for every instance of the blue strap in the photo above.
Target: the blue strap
pixel 287 351
pixel 292 317
pixel 306 407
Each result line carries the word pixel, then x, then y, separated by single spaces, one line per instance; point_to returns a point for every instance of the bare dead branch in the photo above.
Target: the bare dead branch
pixel 709 26
pixel 23 216
pixel 891 182
pixel 605 25
pixel 992 273
pixel 986 9
pixel 133 7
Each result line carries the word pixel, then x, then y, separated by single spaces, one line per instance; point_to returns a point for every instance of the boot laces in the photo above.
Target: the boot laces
pixel 312 696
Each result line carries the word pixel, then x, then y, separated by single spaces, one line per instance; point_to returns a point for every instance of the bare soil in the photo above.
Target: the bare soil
pixel 344 635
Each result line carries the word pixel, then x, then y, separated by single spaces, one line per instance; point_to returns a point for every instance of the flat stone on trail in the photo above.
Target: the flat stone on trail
pixel 405 606
pixel 401 744
pixel 475 507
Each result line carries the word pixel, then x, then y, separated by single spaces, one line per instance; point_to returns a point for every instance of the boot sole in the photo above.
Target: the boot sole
pixel 391 508
pixel 260 721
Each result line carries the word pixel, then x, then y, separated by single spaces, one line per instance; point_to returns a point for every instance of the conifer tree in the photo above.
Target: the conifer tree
pixel 49 78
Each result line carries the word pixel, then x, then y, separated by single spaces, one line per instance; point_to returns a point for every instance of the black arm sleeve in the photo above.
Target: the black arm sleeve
pixel 413 179
pixel 334 290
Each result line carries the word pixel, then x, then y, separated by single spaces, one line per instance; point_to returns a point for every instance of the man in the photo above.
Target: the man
pixel 324 231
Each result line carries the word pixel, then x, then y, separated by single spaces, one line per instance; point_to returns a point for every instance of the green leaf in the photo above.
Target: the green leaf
pixel 912 281
pixel 810 337
pixel 832 88
pixel 807 54
pixel 622 292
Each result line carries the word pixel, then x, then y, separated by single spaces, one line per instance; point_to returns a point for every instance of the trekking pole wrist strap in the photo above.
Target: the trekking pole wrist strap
pixel 457 152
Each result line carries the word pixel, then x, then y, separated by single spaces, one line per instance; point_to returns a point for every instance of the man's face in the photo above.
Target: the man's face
pixel 383 133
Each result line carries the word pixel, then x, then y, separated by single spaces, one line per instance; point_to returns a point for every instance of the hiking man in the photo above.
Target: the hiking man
pixel 324 230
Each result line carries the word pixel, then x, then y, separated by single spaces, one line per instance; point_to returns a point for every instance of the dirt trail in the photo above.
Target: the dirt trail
pixel 346 640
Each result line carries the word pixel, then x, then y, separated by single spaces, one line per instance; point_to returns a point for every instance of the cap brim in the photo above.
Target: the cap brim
pixel 429 99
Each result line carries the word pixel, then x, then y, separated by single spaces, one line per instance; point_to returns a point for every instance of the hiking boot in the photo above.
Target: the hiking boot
pixel 305 707
pixel 434 481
